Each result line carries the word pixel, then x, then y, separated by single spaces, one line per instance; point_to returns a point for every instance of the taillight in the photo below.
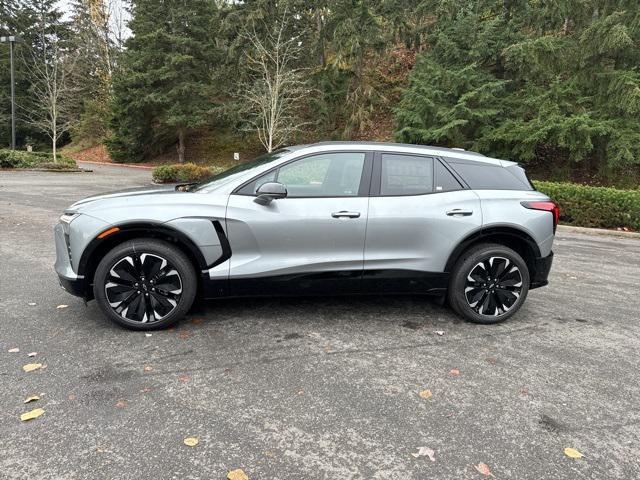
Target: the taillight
pixel 546 207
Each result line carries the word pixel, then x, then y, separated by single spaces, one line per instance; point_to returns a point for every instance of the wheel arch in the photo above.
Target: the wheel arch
pixel 511 237
pixel 97 248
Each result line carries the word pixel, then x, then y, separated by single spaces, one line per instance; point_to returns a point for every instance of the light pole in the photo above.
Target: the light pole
pixel 11 40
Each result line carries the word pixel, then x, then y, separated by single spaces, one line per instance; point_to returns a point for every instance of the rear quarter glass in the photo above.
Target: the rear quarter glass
pixel 482 176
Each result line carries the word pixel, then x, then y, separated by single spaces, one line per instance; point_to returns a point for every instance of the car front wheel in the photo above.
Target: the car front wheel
pixel 489 284
pixel 145 284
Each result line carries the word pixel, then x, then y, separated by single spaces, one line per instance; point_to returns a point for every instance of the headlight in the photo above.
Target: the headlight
pixel 66 219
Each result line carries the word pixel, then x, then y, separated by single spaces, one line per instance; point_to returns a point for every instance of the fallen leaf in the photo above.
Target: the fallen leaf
pixel 30 367
pixel 148 334
pixel 300 392
pixel 146 390
pixel 184 378
pixel 32 354
pixel 524 391
pixel 425 452
pixel 121 404
pixel 31 415
pixel 197 321
pixel 32 304
pixel 32 398
pixel 60 307
pixel 439 332
pixel 191 441
pixel 492 360
pixel 426 394
pixel 147 368
pixel 14 350
pixel 184 334
pixel 455 372
pixel 72 397
pixel 572 453
pixel 237 474
pixel 483 468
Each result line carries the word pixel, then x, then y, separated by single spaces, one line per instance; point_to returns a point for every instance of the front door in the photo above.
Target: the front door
pixel 309 242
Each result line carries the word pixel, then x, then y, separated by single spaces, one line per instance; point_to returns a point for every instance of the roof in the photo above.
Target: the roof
pixel 457 153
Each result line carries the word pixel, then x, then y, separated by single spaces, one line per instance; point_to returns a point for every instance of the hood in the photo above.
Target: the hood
pixel 128 192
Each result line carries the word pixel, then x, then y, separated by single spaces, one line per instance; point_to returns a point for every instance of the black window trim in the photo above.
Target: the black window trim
pixel 365 177
pixel 376 179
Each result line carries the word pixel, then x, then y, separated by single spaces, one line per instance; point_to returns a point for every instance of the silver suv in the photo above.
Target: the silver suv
pixel 333 217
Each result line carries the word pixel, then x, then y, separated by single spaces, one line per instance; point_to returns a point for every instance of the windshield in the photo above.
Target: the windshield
pixel 227 175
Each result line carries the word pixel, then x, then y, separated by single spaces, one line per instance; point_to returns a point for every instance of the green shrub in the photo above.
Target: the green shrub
pixel 183 172
pixel 599 207
pixel 23 159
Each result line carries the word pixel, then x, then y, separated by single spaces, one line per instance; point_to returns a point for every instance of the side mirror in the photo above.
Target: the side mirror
pixel 267 192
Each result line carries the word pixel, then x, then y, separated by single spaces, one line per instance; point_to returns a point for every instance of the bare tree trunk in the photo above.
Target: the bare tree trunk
pixel 181 147
pixel 320 32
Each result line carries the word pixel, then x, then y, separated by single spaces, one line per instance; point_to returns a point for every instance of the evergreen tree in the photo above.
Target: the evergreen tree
pixel 527 81
pixel 165 87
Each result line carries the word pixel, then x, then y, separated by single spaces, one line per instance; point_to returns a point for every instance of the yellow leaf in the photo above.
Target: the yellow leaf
pixel 60 307
pixel 147 368
pixel 14 350
pixel 483 468
pixel 572 453
pixel 31 415
pixel 30 367
pixel 426 394
pixel 32 398
pixel 237 474
pixel 191 441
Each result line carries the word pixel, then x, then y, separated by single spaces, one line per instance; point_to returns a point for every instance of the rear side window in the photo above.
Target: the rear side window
pixel 406 175
pixel 482 176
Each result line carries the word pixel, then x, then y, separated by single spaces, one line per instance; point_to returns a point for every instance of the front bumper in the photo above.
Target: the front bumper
pixel 72 283
pixel 540 271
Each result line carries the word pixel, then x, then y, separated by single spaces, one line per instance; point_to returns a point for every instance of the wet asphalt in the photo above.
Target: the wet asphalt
pixel 324 388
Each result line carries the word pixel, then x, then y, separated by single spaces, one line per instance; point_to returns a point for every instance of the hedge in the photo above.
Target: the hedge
pixel 23 159
pixel 183 172
pixel 599 207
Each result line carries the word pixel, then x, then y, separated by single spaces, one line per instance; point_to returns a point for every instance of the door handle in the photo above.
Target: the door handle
pixel 459 212
pixel 345 214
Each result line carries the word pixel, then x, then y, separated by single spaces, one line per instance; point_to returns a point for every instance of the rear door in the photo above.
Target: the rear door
pixel 418 213
pixel 309 242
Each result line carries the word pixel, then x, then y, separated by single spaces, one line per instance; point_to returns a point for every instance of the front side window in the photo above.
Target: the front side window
pixel 322 175
pixel 406 175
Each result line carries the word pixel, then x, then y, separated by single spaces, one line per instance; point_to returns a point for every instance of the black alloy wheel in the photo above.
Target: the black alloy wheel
pixel 143 287
pixel 493 286
pixel 488 284
pixel 145 284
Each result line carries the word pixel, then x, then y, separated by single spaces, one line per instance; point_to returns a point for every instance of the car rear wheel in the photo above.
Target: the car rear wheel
pixel 489 284
pixel 145 284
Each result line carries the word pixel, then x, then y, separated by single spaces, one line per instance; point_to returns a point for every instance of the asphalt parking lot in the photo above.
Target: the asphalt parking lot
pixel 314 388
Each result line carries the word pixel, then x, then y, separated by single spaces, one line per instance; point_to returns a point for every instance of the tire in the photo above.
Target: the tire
pixel 474 292
pixel 145 284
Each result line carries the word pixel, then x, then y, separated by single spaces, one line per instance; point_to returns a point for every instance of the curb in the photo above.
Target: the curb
pixel 598 231
pixel 111 164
